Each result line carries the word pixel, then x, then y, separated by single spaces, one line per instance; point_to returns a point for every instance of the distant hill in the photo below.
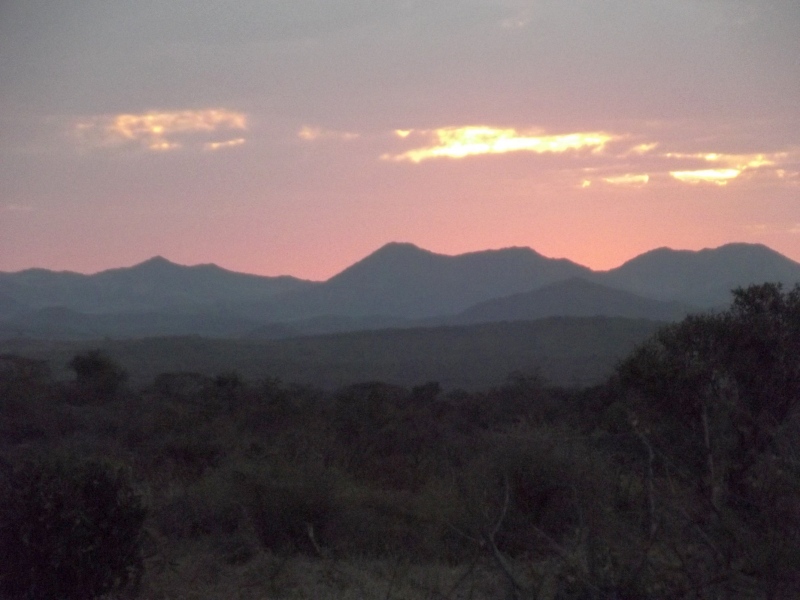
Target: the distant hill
pixel 399 285
pixel 403 280
pixel 566 351
pixel 703 278
pixel 64 323
pixel 154 285
pixel 573 298
pixel 9 306
pixel 328 324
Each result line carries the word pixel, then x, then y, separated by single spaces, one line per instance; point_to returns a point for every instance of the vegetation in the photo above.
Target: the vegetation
pixel 69 530
pixel 678 477
pixel 568 351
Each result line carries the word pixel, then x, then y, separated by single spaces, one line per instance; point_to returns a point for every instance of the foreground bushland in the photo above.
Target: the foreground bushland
pixel 678 478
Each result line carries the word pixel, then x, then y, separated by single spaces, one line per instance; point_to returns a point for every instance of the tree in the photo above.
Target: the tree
pixel 716 399
pixel 97 377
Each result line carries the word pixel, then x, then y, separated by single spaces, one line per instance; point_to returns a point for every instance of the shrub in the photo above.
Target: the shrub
pixel 98 378
pixel 68 530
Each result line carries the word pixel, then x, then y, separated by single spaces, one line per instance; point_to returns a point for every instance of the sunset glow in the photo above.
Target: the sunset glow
pixel 295 137
pixel 461 142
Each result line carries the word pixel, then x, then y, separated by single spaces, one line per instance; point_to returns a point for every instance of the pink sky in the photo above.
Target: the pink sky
pixel 297 137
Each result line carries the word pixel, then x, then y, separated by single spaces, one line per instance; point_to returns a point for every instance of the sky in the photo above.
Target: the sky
pixel 294 137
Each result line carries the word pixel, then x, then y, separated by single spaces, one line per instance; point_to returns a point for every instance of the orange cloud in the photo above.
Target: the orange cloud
pixel 629 179
pixel 162 130
pixel 311 134
pixel 474 140
pixel 715 176
pixel 730 167
pixel 641 149
pixel 221 145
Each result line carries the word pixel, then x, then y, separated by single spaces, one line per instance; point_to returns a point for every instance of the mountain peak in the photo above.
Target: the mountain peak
pixel 727 253
pixel 400 248
pixel 703 277
pixel 156 261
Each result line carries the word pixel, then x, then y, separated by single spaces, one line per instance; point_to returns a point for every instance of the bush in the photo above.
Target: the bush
pixel 98 378
pixel 68 530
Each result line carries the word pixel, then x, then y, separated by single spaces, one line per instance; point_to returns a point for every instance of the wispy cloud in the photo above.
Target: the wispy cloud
pixel 310 134
pixel 715 176
pixel 738 161
pixel 730 167
pixel 625 159
pixel 225 144
pixel 474 140
pixel 628 179
pixel 641 149
pixel 163 130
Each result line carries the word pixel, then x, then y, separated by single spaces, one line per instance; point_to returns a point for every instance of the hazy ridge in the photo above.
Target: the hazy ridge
pixel 399 285
pixel 565 351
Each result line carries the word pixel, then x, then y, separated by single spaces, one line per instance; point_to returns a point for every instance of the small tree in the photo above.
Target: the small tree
pixel 97 377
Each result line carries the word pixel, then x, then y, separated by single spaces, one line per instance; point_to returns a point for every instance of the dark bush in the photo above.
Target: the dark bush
pixel 68 530
pixel 98 378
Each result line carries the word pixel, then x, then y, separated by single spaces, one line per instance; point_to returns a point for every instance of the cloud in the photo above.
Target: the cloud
pixel 222 145
pixel 738 161
pixel 715 176
pixel 311 134
pixel 626 159
pixel 641 149
pixel 474 140
pixel 163 130
pixel 789 177
pixel 628 179
pixel 731 166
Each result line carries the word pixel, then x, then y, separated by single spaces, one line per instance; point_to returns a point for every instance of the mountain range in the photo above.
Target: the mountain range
pixel 399 285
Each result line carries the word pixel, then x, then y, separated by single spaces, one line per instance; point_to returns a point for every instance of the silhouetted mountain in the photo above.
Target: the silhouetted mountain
pixel 704 278
pixel 399 285
pixel 154 285
pixel 406 281
pixel 574 297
